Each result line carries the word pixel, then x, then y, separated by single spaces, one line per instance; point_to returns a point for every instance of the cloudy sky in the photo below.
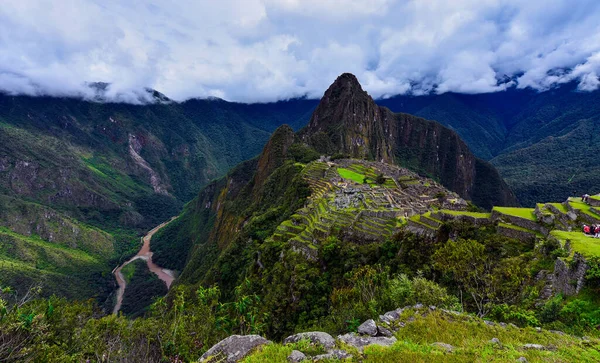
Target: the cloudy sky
pixel 265 50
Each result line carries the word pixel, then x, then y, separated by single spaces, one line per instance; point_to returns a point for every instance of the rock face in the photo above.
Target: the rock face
pixel 233 349
pixel 569 280
pixel 348 121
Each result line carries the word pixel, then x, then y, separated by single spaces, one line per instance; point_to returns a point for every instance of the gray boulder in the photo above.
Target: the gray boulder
pixel 233 348
pixel 334 354
pixel 391 316
pixel 368 328
pixel 315 337
pixel 522 359
pixel 384 331
pixel 296 356
pixel 360 342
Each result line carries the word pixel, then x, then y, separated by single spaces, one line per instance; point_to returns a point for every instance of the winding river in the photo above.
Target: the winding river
pixel 145 254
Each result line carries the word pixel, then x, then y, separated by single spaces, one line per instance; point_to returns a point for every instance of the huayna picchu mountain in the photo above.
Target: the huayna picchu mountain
pixel 349 122
pixel 346 177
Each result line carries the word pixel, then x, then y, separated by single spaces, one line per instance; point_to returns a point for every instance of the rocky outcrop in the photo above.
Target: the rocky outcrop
pixel 323 339
pixel 569 279
pixel 233 349
pixel 360 342
pixel 348 121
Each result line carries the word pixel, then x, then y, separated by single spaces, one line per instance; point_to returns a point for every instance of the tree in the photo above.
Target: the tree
pixel 486 280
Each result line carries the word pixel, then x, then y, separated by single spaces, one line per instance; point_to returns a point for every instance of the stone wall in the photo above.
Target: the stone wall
pixel 515 233
pixel 521 222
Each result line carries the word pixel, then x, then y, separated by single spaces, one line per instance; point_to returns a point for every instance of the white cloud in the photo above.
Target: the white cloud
pixel 264 50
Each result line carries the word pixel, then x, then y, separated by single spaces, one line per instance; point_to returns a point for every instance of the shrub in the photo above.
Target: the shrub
pixel 405 291
pixel 551 310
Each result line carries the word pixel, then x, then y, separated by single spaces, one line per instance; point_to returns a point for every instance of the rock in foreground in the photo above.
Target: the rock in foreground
pixel 233 348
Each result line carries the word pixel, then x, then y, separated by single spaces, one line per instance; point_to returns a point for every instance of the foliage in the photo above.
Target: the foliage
pixel 486 280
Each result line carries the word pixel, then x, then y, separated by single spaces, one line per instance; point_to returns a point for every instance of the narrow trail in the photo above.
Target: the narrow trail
pixel 145 254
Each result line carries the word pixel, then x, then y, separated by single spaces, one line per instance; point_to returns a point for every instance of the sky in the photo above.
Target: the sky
pixel 269 50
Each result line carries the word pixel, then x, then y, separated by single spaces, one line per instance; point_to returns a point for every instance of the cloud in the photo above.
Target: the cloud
pixel 266 50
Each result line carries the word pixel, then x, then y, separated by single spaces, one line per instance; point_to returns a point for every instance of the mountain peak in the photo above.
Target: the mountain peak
pixel 346 81
pixel 347 120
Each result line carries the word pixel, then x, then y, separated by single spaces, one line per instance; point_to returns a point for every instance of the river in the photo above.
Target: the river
pixel 145 254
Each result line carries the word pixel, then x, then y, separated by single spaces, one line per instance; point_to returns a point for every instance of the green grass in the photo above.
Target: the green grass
pixel 465 213
pixel 351 175
pixel 580 242
pixel 595 197
pixel 561 207
pixel 128 271
pixel 576 203
pixel 525 213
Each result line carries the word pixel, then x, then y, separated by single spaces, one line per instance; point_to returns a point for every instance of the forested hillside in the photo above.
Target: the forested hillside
pixel 80 181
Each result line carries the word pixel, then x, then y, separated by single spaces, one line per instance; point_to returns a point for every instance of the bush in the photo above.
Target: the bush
pixel 514 314
pixel 551 310
pixel 404 291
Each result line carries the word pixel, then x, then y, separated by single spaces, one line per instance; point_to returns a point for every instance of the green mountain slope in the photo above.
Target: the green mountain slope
pixel 68 167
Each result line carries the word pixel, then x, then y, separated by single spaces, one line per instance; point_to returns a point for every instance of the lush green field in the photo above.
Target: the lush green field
pixel 577 203
pixel 580 242
pixel 526 213
pixel 351 175
pixel 465 213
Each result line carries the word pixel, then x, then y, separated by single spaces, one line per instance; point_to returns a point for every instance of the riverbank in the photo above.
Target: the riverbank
pixel 167 276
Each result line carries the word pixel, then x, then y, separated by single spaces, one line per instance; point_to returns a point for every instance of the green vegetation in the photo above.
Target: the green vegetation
pixel 576 203
pixel 466 213
pixel 142 288
pixel 560 206
pixel 470 338
pixel 526 213
pixel 351 175
pixel 580 242
pixel 28 261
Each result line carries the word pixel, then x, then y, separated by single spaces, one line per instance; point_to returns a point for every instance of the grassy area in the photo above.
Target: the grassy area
pixel 526 213
pixel 576 203
pixel 561 207
pixel 351 175
pixel 465 213
pixel 580 242
pixel 470 338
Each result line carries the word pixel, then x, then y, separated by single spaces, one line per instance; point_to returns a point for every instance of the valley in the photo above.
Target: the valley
pixel 167 276
pixel 362 214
